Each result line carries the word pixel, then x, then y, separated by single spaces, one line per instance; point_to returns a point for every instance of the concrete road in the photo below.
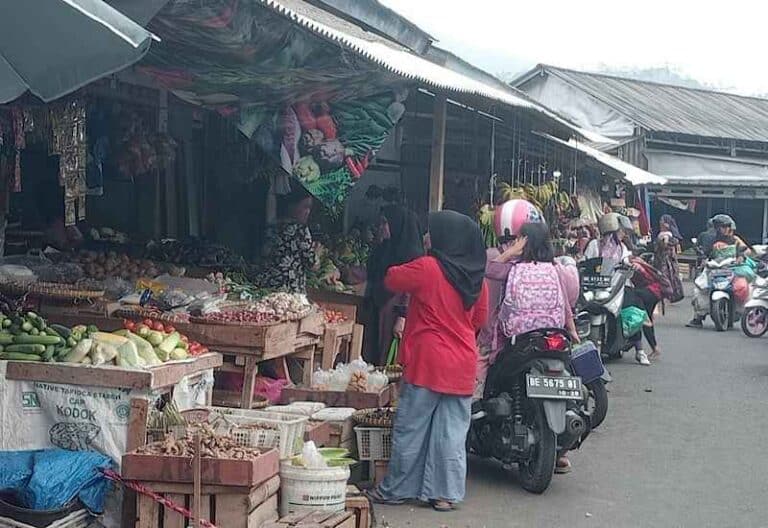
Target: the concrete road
pixel 682 446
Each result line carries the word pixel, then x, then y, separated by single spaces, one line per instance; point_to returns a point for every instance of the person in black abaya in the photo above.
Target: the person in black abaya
pixel 401 242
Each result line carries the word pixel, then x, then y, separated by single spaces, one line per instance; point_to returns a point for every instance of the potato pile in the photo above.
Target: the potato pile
pixel 102 265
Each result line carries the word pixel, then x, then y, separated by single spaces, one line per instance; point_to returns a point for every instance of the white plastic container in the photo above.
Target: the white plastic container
pixel 373 443
pixel 266 430
pixel 304 489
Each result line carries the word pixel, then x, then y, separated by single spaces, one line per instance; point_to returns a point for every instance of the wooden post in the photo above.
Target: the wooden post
pixel 765 222
pixel 197 482
pixel 437 165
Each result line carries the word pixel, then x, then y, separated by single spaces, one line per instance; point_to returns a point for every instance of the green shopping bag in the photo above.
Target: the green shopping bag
pixel 632 320
pixel 392 355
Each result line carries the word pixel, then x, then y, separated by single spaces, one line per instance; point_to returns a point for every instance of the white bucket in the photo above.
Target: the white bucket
pixel 304 489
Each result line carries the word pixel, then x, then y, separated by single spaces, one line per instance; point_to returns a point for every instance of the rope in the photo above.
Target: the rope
pixel 140 488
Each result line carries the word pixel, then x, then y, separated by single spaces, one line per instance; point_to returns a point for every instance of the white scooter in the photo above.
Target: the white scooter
pixel 714 293
pixel 754 322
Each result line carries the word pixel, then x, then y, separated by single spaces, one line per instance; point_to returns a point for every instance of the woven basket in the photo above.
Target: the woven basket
pixel 144 313
pixel 366 417
pixel 51 290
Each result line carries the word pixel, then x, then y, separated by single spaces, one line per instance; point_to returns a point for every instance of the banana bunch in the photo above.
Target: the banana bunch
pixel 564 204
pixel 485 219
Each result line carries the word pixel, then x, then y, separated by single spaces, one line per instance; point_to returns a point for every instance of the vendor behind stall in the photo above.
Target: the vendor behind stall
pixel 400 237
pixel 288 252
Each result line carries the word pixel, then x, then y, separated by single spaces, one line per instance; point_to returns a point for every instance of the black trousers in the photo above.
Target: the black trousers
pixel 644 299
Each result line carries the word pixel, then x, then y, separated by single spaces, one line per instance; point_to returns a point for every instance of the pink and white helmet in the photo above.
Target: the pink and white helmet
pixel 510 216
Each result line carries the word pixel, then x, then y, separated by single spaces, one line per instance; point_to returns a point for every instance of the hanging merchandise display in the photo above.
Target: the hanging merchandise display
pixel 328 146
pixel 68 141
pixel 321 114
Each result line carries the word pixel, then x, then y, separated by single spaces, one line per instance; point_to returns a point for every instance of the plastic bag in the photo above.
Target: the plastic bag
pixel 49 479
pixel 632 320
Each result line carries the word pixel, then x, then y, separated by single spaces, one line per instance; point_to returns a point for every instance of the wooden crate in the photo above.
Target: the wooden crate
pixel 342 338
pixel 153 378
pixel 264 342
pixel 215 471
pixel 226 507
pixel 360 506
pixel 318 519
pixel 319 433
pixel 356 400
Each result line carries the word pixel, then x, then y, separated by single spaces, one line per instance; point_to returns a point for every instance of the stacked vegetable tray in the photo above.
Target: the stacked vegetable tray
pixel 29 337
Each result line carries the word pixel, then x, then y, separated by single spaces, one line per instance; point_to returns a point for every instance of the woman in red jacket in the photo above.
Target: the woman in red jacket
pixel 448 306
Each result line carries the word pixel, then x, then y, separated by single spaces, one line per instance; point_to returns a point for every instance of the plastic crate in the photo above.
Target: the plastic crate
pixel 266 430
pixel 374 443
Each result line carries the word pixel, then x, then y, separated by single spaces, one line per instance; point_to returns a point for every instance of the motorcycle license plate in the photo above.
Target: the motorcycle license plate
pixel 595 282
pixel 551 388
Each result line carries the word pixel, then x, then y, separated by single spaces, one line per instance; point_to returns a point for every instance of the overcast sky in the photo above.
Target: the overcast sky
pixel 725 45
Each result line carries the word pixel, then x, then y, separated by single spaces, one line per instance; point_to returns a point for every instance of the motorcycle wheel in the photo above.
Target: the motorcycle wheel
pixel 598 402
pixel 721 314
pixel 536 474
pixel 754 321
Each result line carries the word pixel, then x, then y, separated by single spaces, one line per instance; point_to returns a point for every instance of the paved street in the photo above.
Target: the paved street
pixel 682 447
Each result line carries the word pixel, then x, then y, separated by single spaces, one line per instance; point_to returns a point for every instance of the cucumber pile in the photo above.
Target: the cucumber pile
pixel 28 337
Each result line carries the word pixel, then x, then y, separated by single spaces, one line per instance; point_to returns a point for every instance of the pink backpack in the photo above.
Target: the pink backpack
pixel 533 299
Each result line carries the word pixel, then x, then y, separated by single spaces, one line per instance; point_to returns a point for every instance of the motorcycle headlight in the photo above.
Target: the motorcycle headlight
pixel 588 296
pixel 720 283
pixel 602 295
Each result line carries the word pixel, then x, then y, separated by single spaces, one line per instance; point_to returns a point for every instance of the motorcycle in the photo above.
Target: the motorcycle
pixel 532 409
pixel 714 293
pixel 591 371
pixel 754 321
pixel 602 296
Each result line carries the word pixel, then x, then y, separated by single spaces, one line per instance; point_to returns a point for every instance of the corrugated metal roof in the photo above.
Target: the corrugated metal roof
pixel 632 174
pixel 403 63
pixel 667 108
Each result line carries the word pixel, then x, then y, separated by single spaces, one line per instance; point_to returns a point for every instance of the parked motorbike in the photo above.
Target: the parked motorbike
pixel 533 409
pixel 715 283
pixel 591 371
pixel 754 320
pixel 602 296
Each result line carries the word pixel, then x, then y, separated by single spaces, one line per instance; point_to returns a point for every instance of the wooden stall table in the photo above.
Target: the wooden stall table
pixel 248 344
pixel 251 345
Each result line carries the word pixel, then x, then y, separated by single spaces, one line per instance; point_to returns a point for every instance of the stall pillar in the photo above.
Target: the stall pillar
pixel 437 165
pixel 765 222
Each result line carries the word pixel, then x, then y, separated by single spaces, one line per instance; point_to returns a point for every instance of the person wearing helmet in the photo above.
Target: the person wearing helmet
pixel 727 244
pixel 509 218
pixel 610 245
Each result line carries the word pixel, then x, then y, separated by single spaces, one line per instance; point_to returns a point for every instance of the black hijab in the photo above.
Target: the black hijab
pixel 458 246
pixel 404 245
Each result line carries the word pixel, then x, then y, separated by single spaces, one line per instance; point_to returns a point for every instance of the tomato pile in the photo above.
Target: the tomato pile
pixel 193 347
pixel 334 316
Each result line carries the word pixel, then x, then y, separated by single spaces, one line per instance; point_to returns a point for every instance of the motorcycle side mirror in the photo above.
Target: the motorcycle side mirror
pixel 694 240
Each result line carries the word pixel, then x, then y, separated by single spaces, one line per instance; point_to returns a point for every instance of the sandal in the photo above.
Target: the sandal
pixel 440 505
pixel 376 497
pixel 562 466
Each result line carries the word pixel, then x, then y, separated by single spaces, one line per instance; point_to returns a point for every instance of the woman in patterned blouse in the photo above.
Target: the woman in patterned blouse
pixel 288 252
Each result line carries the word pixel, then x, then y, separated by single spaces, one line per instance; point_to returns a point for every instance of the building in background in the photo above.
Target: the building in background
pixel 711 146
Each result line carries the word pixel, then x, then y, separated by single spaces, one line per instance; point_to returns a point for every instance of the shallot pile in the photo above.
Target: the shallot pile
pixel 274 307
